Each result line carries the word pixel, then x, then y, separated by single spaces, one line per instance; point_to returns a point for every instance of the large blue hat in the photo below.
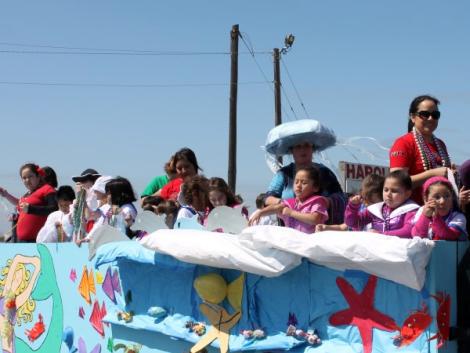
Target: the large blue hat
pixel 283 137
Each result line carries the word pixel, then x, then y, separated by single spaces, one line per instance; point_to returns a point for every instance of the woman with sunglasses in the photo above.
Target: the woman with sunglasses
pixel 419 152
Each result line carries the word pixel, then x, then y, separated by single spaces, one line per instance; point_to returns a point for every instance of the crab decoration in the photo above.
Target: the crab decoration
pixel 443 318
pixel 37 330
pixel 413 326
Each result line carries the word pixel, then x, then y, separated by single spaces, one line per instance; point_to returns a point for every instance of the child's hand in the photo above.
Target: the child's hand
pixel 286 211
pixel 429 208
pixel 355 200
pixel 254 219
pixel 320 228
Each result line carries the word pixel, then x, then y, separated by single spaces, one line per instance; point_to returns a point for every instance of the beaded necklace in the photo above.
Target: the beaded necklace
pixel 427 157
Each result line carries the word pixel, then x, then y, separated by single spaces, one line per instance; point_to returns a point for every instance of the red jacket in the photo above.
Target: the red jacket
pixel 41 202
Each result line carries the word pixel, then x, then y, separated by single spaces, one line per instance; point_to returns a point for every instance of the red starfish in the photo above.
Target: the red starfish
pixel 361 312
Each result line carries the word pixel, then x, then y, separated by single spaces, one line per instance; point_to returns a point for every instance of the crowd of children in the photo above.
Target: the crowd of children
pixel 48 213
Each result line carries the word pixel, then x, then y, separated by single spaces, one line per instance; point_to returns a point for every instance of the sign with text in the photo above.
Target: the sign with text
pixel 352 174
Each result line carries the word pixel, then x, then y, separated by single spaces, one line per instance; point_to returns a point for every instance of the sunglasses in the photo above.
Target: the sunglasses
pixel 424 114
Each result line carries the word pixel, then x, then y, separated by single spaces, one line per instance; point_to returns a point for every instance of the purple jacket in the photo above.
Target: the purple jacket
pixel 382 218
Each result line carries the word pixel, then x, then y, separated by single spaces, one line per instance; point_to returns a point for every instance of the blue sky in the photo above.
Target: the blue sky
pixel 356 66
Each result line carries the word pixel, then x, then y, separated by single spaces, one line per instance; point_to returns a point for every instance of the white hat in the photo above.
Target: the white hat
pixel 100 183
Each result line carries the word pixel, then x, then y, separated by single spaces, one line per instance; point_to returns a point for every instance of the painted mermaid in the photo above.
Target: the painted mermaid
pixel 16 305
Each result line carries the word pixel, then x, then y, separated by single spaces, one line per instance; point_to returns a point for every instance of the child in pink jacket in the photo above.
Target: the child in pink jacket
pixel 439 218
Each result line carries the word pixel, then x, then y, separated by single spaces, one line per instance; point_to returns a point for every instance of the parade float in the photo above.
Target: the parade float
pixel 227 287
pixel 266 288
pixel 261 288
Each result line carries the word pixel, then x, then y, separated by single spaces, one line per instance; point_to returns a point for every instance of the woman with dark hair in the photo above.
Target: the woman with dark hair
pixel 301 138
pixel 50 177
pixel 186 167
pixel 421 154
pixel 35 205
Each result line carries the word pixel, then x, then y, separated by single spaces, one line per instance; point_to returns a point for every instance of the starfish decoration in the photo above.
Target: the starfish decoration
pixel 361 312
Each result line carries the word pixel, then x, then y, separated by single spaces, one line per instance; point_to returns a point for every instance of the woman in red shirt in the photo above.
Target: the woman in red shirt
pixel 186 168
pixel 34 207
pixel 419 152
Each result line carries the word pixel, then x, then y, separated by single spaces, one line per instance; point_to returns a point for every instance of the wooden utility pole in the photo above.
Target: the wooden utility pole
pixel 232 149
pixel 277 88
pixel 277 91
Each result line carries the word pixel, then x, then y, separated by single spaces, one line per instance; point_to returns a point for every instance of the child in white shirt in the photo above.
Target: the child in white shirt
pixel 58 226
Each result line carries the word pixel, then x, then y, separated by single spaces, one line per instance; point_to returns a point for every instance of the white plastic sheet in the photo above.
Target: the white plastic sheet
pixel 220 250
pixel 400 260
pixel 271 251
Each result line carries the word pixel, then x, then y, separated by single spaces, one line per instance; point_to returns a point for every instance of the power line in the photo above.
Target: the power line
pixel 252 52
pixel 143 51
pixel 288 102
pixel 123 85
pixel 116 53
pixel 295 89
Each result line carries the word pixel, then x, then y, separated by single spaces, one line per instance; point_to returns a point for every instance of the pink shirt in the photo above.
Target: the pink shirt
pixel 313 204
